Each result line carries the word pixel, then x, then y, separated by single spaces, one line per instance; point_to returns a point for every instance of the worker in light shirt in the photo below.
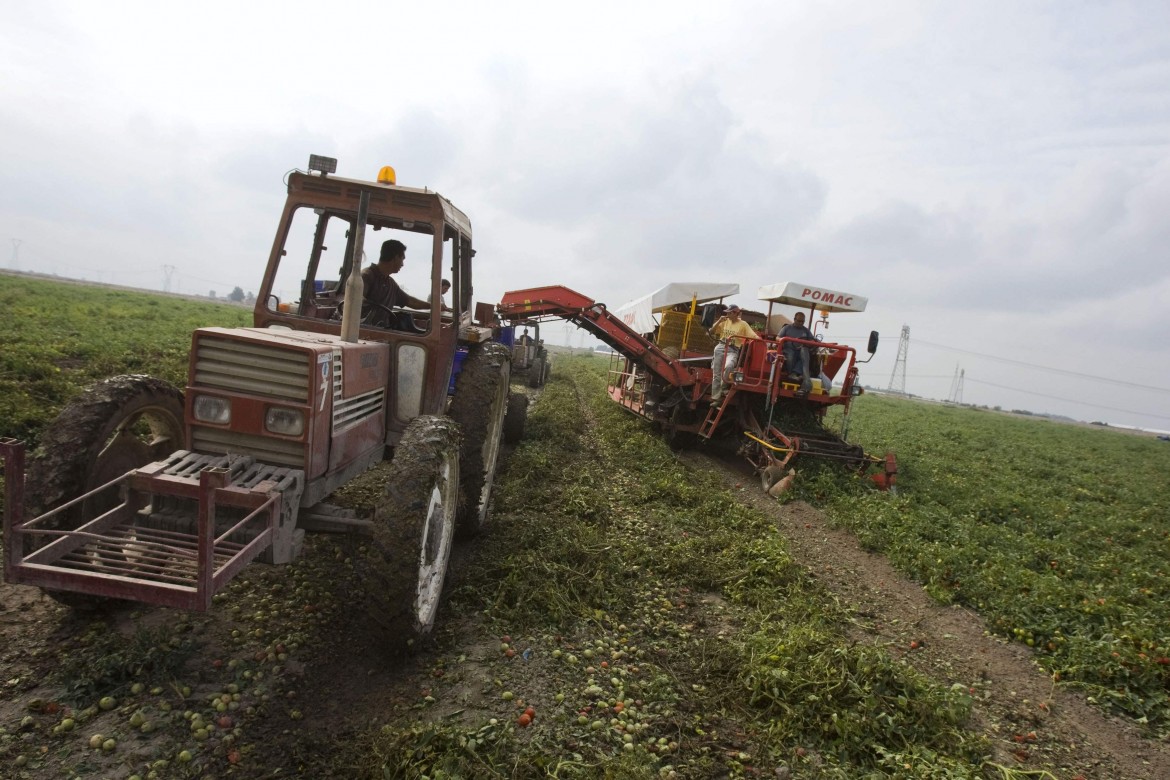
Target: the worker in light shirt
pixel 731 332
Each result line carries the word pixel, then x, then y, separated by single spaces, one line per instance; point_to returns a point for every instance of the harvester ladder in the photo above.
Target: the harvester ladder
pixel 715 414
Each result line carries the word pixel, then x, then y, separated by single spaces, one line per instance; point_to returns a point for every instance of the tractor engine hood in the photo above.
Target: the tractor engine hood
pixel 305 400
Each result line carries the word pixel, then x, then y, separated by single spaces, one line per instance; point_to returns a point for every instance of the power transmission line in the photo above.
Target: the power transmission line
pixel 1071 400
pixel 1064 371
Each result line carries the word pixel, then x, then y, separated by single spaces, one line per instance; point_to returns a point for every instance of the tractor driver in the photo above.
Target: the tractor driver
pixel 380 288
pixel 731 332
pixel 798 362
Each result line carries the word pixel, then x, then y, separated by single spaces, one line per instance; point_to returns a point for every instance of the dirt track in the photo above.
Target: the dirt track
pixel 1030 719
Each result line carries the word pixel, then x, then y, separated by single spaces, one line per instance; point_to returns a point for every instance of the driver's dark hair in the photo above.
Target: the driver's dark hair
pixel 390 248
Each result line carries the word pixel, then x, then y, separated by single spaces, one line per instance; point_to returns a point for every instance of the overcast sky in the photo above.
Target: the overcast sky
pixel 994 175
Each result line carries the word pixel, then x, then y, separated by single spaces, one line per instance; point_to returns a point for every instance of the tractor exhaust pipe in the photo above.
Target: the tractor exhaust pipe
pixel 351 316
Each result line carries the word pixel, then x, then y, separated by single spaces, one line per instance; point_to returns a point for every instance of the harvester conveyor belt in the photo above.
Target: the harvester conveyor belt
pixel 589 315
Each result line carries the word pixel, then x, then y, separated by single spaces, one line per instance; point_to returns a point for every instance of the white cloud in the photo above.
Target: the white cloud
pixel 985 173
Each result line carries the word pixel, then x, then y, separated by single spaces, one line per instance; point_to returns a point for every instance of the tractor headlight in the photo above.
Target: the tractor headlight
pixel 210 409
pixel 738 376
pixel 286 422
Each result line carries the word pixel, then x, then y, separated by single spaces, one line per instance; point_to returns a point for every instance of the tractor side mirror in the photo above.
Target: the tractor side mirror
pixel 710 314
pixel 873 342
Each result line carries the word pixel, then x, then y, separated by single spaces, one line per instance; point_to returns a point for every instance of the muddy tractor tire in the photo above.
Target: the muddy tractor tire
pixel 516 418
pixel 414 528
pixel 479 406
pixel 115 426
pixel 536 373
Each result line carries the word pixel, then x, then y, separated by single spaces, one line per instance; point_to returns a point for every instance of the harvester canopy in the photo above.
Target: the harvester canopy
pixel 806 296
pixel 639 313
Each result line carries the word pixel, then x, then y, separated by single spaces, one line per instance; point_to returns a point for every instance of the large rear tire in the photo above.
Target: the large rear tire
pixel 413 531
pixel 115 426
pixel 479 406
pixel 537 373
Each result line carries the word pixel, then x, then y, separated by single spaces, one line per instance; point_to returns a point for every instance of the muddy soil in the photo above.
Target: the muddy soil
pixel 301 681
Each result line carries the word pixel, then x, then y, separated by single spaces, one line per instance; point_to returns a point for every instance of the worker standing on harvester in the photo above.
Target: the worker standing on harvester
pixel 730 332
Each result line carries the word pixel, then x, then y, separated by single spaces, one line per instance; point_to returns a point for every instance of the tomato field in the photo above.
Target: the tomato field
pixel 632 612
pixel 1059 535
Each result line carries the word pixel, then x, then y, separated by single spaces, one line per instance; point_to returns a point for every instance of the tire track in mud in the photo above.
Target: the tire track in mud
pixel 1014 697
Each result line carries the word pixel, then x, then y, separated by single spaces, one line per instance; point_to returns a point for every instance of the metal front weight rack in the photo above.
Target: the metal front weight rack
pixel 130 551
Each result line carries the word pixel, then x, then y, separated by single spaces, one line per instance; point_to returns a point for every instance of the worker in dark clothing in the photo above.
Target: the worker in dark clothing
pixel 380 290
pixel 798 362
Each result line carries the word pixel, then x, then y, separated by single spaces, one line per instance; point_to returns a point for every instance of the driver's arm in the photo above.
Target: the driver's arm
pixel 414 303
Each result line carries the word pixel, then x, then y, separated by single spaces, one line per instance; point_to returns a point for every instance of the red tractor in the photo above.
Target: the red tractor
pixel 663 372
pixel 145 493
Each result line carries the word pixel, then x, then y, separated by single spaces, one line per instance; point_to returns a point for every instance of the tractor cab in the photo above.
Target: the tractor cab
pixel 325 239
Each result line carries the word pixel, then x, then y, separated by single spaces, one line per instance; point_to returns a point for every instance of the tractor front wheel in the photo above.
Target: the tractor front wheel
pixel 413 532
pixel 115 426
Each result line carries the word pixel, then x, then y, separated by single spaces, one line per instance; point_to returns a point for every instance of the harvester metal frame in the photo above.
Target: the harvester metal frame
pixel 674 392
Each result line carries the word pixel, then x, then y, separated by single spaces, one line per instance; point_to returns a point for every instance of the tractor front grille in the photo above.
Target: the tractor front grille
pixel 264 448
pixel 348 412
pixel 250 368
pixel 256 369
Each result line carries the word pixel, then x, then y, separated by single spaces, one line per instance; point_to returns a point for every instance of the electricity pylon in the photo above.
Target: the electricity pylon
pixel 898 375
pixel 956 395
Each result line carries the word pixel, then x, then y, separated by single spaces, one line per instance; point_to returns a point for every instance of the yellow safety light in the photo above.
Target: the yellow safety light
pixel 387 175
pixel 824 313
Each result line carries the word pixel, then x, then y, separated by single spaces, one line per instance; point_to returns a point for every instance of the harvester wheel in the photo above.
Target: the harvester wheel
pixel 675 438
pixel 115 426
pixel 516 418
pixel 479 406
pixel 413 531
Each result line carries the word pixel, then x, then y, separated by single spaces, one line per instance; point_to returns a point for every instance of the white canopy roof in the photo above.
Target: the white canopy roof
pixel 806 295
pixel 639 313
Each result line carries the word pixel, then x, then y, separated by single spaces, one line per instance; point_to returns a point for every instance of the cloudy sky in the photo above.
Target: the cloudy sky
pixel 993 175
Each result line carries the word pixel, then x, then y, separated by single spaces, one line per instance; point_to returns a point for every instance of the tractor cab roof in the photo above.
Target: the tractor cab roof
pixel 386 200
